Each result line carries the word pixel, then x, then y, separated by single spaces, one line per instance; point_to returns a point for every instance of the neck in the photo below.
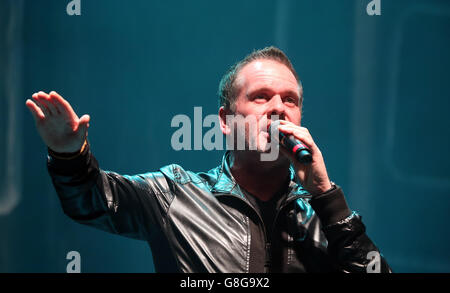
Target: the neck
pixel 262 179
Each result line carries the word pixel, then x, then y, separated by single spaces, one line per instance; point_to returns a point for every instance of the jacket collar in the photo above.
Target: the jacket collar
pixel 226 184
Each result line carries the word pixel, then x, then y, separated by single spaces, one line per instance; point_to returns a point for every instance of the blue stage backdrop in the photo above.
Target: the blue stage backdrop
pixel 376 100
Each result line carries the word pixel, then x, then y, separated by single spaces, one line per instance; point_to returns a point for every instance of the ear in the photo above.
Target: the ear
pixel 223 120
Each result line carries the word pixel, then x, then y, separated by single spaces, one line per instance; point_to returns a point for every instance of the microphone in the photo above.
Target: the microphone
pixel 289 142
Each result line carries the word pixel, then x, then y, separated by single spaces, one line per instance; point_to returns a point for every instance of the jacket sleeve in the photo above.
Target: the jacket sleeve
pixel 349 247
pixel 132 206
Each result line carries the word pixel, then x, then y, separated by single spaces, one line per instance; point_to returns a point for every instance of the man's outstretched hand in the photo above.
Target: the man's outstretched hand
pixel 59 126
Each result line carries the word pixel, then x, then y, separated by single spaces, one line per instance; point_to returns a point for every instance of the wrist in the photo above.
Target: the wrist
pixel 331 206
pixel 331 187
pixel 67 155
pixel 325 188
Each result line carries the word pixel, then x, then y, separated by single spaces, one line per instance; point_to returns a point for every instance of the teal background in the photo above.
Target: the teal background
pixel 376 102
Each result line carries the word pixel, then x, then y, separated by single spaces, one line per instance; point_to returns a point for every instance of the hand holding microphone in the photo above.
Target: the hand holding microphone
pixel 306 157
pixel 290 143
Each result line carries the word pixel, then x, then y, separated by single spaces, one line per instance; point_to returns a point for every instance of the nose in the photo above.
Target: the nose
pixel 276 107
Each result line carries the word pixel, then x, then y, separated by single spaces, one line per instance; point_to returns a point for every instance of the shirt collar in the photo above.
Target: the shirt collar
pixel 226 184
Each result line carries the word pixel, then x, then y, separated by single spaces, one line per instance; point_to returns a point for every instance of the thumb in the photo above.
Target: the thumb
pixel 83 123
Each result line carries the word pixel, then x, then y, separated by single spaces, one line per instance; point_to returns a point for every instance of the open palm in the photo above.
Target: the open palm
pixel 58 125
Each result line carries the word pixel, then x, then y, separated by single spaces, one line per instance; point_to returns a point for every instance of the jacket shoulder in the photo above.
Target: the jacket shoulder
pixel 178 174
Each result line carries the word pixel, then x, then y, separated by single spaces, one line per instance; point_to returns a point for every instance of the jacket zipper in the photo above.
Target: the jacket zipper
pixel 251 207
pixel 267 244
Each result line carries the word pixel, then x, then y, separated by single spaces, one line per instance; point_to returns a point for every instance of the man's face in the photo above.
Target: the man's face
pixel 267 88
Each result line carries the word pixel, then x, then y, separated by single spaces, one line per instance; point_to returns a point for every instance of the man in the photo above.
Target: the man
pixel 247 215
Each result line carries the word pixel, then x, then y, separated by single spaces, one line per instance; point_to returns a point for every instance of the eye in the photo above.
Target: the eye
pixel 260 98
pixel 290 100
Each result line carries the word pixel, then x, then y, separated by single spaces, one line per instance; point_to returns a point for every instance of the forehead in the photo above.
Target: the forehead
pixel 266 74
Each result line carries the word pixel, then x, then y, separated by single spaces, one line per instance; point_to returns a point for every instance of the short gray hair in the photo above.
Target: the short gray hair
pixel 229 90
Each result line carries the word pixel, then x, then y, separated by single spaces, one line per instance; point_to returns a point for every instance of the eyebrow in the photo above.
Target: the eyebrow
pixel 265 89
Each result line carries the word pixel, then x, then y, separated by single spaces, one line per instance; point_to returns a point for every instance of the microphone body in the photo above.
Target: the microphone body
pixel 289 142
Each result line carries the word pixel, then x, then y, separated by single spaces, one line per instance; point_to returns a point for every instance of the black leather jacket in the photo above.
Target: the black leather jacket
pixel 202 222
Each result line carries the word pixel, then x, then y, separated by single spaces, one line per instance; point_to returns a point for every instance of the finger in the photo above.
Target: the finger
pixel 38 102
pixel 37 113
pixel 290 124
pixel 57 100
pixel 83 123
pixel 301 169
pixel 299 133
pixel 62 105
pixel 52 104
pixel 302 137
pixel 285 122
pixel 293 128
pixel 43 98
